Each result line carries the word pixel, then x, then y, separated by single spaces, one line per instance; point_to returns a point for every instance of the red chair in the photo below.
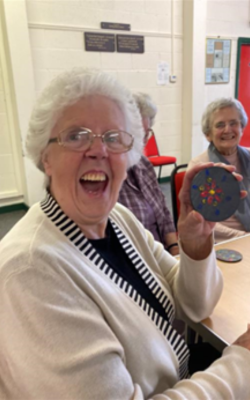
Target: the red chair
pixel 176 181
pixel 152 153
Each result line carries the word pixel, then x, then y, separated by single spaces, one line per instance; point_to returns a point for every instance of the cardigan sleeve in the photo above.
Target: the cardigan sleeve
pixel 195 285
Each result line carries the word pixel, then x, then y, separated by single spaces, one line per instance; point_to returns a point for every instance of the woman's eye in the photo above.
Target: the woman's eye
pixel 115 137
pixel 76 136
pixel 221 125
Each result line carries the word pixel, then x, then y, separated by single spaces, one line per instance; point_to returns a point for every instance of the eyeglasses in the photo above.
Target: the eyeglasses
pixel 232 124
pixel 80 139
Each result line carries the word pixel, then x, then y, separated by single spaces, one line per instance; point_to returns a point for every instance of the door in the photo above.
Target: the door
pixel 12 182
pixel 242 92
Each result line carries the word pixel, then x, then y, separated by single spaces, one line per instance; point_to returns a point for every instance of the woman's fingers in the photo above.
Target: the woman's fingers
pixel 228 167
pixel 237 176
pixel 243 194
pixel 244 340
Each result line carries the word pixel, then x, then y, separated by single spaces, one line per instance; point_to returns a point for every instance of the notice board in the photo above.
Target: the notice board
pixel 218 55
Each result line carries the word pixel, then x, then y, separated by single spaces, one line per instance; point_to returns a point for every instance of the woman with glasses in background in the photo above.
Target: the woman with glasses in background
pixel 87 297
pixel 141 192
pixel 223 123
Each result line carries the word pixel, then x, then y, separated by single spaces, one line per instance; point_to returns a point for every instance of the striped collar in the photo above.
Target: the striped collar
pixel 70 229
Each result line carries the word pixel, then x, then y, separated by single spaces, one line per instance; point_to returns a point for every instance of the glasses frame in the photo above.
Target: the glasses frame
pixel 59 141
pixel 236 122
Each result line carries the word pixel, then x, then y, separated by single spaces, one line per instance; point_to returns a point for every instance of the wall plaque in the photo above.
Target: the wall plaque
pixel 130 43
pixel 116 26
pixel 99 41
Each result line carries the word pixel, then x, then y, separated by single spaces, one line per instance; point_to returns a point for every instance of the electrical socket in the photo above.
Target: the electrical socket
pixel 173 78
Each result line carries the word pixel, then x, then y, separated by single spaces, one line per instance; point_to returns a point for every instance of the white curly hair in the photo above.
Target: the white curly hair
pixel 65 90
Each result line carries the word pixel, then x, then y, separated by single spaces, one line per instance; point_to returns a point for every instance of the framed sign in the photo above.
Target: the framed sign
pixel 218 55
pixel 99 42
pixel 116 26
pixel 130 43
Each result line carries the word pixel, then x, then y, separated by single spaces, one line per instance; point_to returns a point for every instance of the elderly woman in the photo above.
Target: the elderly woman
pixel 87 297
pixel 141 193
pixel 222 123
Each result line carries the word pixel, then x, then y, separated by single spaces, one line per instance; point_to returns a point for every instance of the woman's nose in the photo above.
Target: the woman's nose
pixel 227 127
pixel 97 148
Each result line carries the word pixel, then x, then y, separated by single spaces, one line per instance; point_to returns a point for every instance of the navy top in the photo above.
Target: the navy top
pixel 112 252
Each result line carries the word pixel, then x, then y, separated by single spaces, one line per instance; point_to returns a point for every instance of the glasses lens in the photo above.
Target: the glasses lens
pixel 76 139
pixel 220 125
pixel 118 141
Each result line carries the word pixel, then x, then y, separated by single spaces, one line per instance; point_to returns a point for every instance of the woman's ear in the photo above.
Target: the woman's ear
pixel 46 162
pixel 208 136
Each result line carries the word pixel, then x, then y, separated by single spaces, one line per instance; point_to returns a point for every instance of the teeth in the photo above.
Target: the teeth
pixel 227 137
pixel 97 176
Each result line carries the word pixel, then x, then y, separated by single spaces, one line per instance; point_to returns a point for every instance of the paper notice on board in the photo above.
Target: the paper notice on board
pixel 218 55
pixel 162 73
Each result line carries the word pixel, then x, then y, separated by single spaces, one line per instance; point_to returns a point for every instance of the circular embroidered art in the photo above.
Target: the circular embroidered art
pixel 228 255
pixel 215 194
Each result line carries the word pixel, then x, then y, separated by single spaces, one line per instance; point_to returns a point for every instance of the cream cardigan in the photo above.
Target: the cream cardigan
pixel 71 329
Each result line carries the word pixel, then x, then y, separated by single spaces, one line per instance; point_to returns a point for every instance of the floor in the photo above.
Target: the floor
pixel 8 220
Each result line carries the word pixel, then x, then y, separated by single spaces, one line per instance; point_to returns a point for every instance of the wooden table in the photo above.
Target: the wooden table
pixel 232 313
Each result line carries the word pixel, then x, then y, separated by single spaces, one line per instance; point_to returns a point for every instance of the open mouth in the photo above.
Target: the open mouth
pixel 94 183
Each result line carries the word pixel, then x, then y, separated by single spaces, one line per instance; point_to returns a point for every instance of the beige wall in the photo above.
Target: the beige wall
pixel 229 19
pixel 56 36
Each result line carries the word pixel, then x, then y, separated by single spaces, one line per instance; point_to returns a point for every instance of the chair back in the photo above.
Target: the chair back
pixel 176 181
pixel 151 148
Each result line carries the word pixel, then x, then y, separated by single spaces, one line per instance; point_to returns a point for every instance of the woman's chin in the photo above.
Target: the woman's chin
pixel 229 148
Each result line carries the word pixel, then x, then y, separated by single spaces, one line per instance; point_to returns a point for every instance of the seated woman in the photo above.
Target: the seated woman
pixel 141 193
pixel 222 123
pixel 87 297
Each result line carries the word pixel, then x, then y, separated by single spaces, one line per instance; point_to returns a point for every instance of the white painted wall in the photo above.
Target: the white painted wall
pixel 56 37
pixel 226 19
pixel 193 84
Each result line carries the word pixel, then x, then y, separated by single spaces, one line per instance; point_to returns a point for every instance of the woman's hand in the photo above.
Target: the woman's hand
pixel 244 340
pixel 195 232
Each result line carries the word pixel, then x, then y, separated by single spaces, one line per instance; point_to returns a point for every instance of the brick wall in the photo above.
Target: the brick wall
pixel 59 45
pixel 228 19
